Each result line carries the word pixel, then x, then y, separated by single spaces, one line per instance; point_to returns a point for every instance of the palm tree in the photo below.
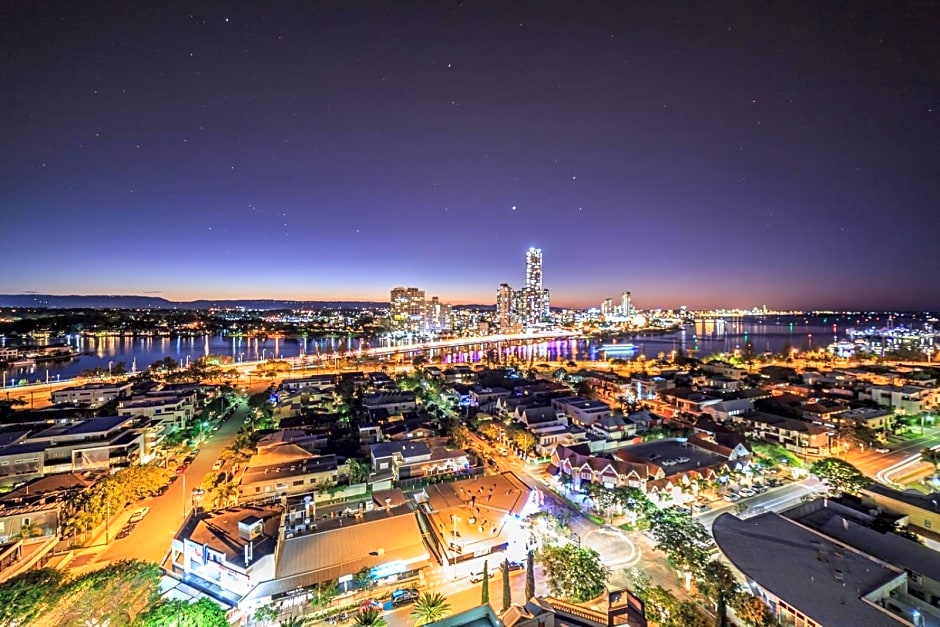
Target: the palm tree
pixel 30 530
pixel 369 617
pixel 294 621
pixel 429 608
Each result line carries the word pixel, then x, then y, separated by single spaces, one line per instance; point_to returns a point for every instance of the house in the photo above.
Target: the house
pixel 540 416
pixel 922 510
pixel 227 553
pixel 581 411
pixel 874 419
pixel 393 402
pixel 320 383
pixel 796 435
pixel 647 388
pixel 724 369
pixel 91 394
pixel 689 401
pixel 486 397
pixel 619 609
pixel 809 579
pixel 173 412
pixel 823 411
pixel 725 410
pixel 903 399
pixel 284 470
pixel 409 459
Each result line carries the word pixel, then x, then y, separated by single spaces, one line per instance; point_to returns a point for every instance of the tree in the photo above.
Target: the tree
pixel 170 613
pixel 369 617
pixel 265 614
pixel 323 593
pixel 357 470
pixel 116 594
pixel 931 456
pixel 574 573
pixel 30 530
pixel 26 596
pixel 684 541
pixel 295 621
pixel 429 608
pixel 840 475
pixel 485 590
pixel 752 610
pixel 507 592
pixel 529 575
pixel 718 585
pixel 363 578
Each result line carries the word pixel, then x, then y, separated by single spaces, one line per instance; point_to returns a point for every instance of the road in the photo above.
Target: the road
pixel 150 540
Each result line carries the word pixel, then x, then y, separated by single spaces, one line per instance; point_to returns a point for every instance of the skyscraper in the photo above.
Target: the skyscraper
pixel 535 296
pixel 625 306
pixel 408 309
pixel 504 308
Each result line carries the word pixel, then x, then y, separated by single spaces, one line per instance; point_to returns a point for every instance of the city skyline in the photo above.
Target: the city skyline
pixel 712 157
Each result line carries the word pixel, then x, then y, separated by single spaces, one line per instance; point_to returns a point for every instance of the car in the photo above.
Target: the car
pixel 882 450
pixel 404 596
pixel 731 496
pixel 773 482
pixel 698 508
pixel 512 565
pixel 217 465
pixel 138 516
pixel 477 577
pixel 746 492
pixel 180 469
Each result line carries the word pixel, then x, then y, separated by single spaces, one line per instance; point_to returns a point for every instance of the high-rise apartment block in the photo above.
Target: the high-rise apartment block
pixel 626 308
pixel 504 308
pixel 411 312
pixel 526 307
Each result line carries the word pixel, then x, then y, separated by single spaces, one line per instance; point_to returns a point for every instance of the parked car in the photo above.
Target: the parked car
pixel 882 450
pixel 698 508
pixel 732 496
pixel 513 565
pixel 138 516
pixel 180 469
pixel 404 596
pixel 217 465
pixel 746 492
pixel 477 577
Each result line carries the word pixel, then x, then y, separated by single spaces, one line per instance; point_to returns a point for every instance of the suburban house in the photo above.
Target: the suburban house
pixel 796 435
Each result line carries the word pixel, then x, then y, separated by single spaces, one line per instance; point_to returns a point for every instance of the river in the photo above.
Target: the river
pixel 771 334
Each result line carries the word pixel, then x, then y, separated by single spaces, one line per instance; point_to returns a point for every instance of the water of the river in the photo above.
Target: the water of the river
pixel 704 338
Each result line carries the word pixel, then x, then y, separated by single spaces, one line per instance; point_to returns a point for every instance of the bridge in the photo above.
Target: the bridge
pixel 382 351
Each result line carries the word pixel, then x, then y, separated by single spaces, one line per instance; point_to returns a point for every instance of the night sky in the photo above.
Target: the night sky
pixel 725 154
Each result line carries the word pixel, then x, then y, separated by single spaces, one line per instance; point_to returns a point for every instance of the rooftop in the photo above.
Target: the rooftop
pixel 219 531
pixel 822 579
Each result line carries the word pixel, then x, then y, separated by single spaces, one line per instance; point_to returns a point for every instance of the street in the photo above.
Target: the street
pixel 150 540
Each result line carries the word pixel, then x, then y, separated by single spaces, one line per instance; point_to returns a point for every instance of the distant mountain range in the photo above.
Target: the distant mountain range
pixel 106 301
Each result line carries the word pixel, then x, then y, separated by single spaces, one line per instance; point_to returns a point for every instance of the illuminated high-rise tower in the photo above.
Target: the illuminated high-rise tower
pixel 504 308
pixel 625 306
pixel 536 298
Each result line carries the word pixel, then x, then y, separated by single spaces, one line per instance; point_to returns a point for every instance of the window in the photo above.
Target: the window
pixel 927 523
pixel 26 522
pixel 299 482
